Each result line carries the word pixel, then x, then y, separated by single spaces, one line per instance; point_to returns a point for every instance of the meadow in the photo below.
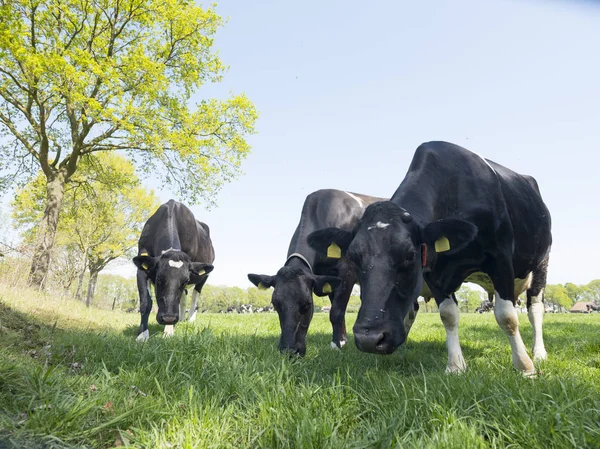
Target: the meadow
pixel 75 377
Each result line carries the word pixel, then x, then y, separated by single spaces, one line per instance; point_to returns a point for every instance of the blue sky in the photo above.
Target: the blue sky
pixel 347 91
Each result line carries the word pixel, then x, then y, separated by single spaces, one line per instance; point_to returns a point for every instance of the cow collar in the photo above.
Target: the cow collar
pixel 302 258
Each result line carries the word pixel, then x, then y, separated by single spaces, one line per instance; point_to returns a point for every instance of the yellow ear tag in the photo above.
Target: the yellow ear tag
pixel 334 251
pixel 144 254
pixel 326 288
pixel 201 272
pixel 262 286
pixel 145 266
pixel 442 245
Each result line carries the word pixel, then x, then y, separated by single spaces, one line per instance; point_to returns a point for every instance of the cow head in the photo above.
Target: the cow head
pixel 293 300
pixel 385 247
pixel 170 273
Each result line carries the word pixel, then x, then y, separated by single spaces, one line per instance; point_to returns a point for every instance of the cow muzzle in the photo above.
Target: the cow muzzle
pixel 376 341
pixel 168 319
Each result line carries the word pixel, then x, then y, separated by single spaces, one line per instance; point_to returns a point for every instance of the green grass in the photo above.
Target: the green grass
pixel 71 377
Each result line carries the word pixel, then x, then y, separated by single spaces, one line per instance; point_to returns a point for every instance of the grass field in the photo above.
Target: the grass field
pixel 71 377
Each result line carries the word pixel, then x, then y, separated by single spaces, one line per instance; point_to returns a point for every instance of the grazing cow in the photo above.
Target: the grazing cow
pixel 454 214
pixel 305 272
pixel 174 252
pixel 486 306
pixel 593 308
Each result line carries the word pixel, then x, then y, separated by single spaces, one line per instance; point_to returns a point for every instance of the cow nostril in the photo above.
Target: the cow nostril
pixel 383 340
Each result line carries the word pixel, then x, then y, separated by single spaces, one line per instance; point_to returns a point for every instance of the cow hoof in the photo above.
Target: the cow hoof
pixel 144 336
pixel 456 369
pixel 169 331
pixel 334 346
pixel 342 343
pixel 529 374
pixel 539 355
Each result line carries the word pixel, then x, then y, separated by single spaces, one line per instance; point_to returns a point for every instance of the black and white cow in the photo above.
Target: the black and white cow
pixel 174 252
pixel 305 271
pixel 454 214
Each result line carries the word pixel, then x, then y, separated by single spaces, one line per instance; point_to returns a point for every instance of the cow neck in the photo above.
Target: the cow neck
pixel 302 258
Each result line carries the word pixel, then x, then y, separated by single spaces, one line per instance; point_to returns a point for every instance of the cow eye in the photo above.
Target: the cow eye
pixel 410 256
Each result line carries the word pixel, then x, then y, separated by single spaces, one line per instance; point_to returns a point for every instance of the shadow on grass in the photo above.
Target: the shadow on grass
pixel 116 351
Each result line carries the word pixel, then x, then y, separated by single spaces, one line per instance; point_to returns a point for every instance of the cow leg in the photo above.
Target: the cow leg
pixel 507 318
pixel 450 318
pixel 192 315
pixel 535 309
pixel 195 295
pixel 339 302
pixel 169 331
pixel 182 304
pixel 145 305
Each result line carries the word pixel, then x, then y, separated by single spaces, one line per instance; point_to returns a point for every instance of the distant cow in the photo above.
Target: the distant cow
pixel 174 253
pixel 592 308
pixel 486 306
pixel 454 214
pixel 305 271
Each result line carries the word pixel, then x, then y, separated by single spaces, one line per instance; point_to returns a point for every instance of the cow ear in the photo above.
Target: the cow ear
pixel 262 281
pixel 449 235
pixel 324 285
pixel 330 242
pixel 198 270
pixel 145 263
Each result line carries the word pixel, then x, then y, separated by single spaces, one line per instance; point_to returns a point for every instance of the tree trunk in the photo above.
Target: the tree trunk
pixel 91 287
pixel 81 277
pixel 55 190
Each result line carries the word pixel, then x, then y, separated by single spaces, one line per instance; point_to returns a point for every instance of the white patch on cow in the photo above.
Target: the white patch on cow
pixel 192 316
pixel 378 225
pixel 144 336
pixel 450 318
pixel 536 318
pixel 334 346
pixel 507 319
pixel 522 285
pixel 360 202
pixel 343 343
pixel 174 264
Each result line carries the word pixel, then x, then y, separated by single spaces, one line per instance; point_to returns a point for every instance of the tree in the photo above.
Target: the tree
pixel 558 296
pixel 103 213
pixel 79 77
pixel 591 291
pixel 575 292
pixel 471 299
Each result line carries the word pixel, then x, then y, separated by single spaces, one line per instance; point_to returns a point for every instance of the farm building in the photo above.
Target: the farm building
pixel 580 307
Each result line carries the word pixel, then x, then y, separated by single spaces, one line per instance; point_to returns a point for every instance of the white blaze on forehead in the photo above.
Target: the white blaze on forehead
pixel 357 199
pixel 174 264
pixel 378 225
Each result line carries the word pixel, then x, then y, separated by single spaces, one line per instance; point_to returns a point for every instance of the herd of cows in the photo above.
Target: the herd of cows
pixel 455 216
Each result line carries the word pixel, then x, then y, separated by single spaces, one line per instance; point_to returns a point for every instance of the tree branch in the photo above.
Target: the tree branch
pixel 15 132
